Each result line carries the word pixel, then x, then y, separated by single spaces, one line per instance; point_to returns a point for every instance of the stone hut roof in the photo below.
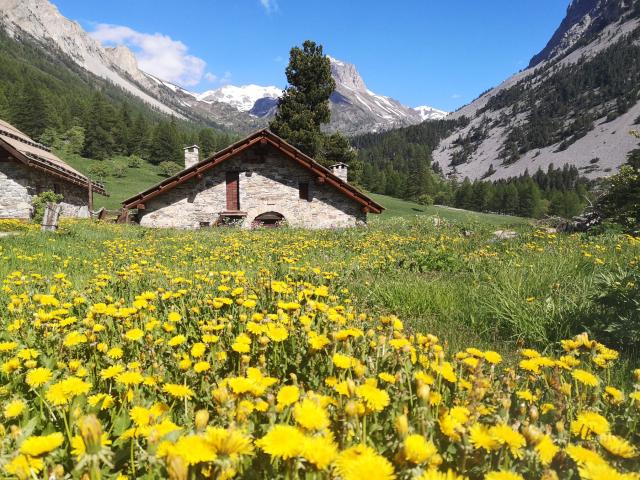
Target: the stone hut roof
pixel 35 155
pixel 262 137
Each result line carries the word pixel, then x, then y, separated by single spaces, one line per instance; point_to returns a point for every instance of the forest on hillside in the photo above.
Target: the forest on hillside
pixel 399 163
pixel 59 104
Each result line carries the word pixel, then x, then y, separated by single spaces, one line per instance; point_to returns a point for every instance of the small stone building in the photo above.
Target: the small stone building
pixel 258 181
pixel 28 168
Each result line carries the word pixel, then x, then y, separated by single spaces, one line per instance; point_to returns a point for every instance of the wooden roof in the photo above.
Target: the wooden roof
pixel 35 155
pixel 263 137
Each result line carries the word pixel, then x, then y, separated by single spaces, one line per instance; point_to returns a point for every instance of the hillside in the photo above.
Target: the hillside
pixel 574 105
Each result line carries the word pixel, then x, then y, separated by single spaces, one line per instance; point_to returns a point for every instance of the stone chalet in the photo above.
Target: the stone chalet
pixel 258 181
pixel 28 168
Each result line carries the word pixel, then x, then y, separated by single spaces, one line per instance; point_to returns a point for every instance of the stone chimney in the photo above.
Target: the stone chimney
pixel 340 170
pixel 191 156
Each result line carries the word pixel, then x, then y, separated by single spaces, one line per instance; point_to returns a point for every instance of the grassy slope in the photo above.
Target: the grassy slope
pixel 135 181
pixel 139 179
pixel 401 208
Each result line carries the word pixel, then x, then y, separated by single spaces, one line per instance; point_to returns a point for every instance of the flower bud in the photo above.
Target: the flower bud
pixel 177 468
pixel 91 433
pixel 402 425
pixel 202 419
pixel 351 408
pixel 220 395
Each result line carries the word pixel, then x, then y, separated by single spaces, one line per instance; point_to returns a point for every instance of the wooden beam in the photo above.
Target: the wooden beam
pixel 141 206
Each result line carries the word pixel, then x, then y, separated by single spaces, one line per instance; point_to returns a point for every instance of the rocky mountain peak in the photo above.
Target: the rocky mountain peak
pixel 584 20
pixel 346 75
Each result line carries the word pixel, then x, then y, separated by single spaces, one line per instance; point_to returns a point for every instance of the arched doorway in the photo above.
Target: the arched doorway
pixel 268 220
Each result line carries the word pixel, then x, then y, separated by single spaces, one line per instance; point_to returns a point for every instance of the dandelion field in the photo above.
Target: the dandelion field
pixel 405 350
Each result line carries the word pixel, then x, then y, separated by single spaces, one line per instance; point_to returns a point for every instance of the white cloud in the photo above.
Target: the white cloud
pixel 455 96
pixel 270 6
pixel 211 77
pixel 156 53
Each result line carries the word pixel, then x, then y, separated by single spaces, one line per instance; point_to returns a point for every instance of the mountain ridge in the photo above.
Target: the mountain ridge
pixel 523 124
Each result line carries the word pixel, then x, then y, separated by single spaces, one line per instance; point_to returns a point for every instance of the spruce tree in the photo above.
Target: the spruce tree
pixel 304 108
pixel 29 111
pixel 99 139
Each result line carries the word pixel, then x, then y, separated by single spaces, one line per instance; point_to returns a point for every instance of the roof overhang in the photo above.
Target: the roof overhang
pixel 52 168
pixel 262 137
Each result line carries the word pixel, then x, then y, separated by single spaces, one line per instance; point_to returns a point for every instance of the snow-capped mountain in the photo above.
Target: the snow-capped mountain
pixel 355 109
pixel 430 113
pixel 242 98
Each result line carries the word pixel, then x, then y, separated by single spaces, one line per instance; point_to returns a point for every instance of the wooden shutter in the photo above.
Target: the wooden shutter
pixel 303 190
pixel 233 192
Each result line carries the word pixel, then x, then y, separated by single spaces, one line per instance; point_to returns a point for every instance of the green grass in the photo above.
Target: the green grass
pixel 136 180
pixel 396 207
pixel 535 289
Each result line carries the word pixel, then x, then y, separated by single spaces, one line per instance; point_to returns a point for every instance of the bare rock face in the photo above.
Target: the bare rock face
pixel 585 19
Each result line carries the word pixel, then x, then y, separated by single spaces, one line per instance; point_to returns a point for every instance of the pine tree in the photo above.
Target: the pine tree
pixel 99 139
pixel 304 106
pixel 165 144
pixel 208 142
pixel 29 111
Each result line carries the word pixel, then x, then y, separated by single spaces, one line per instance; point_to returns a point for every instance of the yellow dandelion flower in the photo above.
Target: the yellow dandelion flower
pixel 374 398
pixel 585 377
pixel 589 423
pixel 617 446
pixel 363 463
pixel 481 437
pixel 505 435
pixel 288 395
pixel 178 391
pixel 134 334
pixel 310 415
pixel 38 377
pixel 546 449
pixel 129 378
pixel 319 450
pixel 418 449
pixel 39 445
pixel 282 441
pixel 14 408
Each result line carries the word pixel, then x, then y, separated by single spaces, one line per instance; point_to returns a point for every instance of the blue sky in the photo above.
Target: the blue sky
pixel 422 52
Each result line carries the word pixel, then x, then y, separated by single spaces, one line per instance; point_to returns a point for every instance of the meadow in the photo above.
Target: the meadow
pixel 410 349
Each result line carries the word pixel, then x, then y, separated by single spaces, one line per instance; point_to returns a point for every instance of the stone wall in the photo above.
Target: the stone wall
pixel 18 185
pixel 267 184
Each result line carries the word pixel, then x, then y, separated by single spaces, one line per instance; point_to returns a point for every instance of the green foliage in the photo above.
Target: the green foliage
pixel 165 144
pixel 617 316
pixel 168 169
pixel 621 201
pixel 119 170
pixel 39 202
pixel 304 108
pixel 99 171
pixel 134 161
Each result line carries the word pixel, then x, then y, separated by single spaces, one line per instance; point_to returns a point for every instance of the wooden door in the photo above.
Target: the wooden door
pixel 233 191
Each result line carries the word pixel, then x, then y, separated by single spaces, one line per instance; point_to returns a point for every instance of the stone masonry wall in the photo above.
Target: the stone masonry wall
pixel 270 185
pixel 18 185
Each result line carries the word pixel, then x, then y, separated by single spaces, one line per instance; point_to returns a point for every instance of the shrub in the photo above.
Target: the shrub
pixel 169 168
pixel 119 170
pixel 99 171
pixel 617 318
pixel 40 201
pixel 134 161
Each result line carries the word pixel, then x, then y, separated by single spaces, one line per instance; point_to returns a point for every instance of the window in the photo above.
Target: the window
pixel 303 190
pixel 233 192
pixel 56 188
